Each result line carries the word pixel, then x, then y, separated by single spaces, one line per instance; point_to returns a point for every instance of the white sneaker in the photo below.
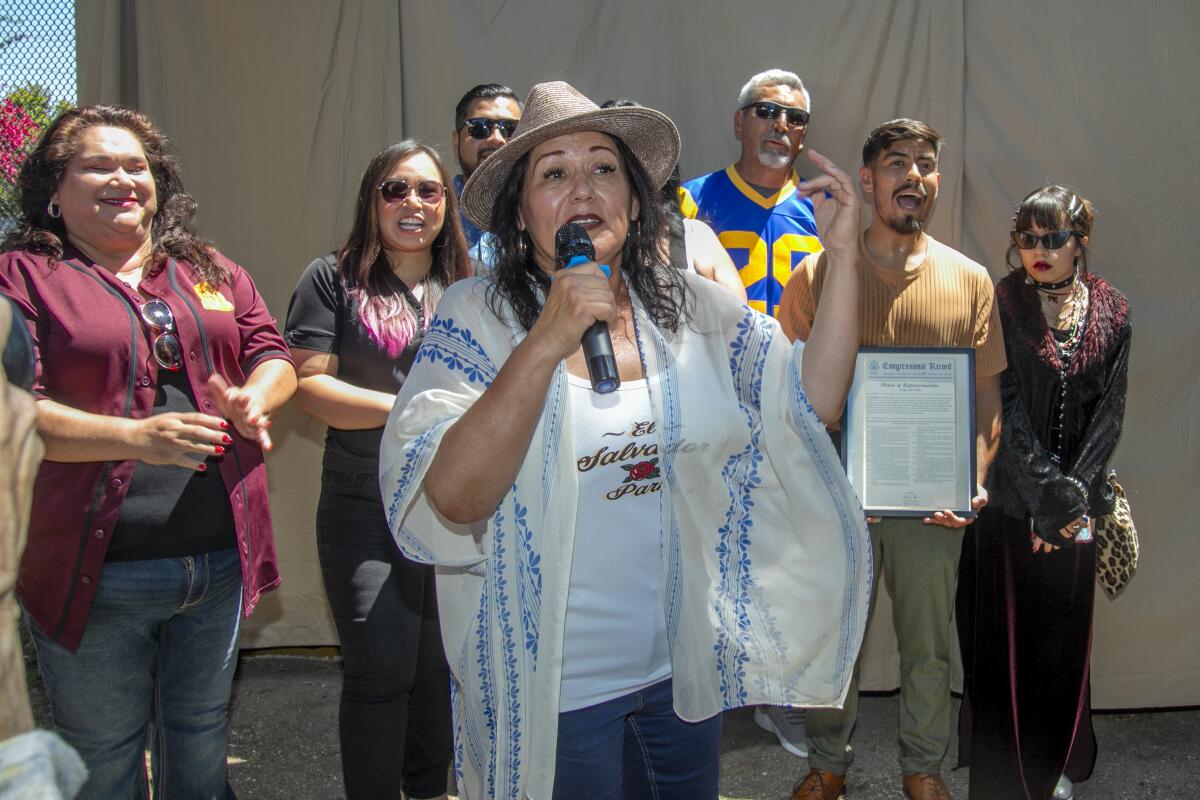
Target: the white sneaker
pixel 1065 790
pixel 787 724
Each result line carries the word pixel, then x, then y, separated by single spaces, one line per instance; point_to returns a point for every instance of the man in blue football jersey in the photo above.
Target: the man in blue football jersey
pixel 752 204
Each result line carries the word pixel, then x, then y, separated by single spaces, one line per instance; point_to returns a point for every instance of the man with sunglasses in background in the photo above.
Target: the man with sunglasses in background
pixel 913 292
pixel 752 204
pixel 484 120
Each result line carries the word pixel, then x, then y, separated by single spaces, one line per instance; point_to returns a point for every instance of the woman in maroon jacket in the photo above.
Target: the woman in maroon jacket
pixel 158 367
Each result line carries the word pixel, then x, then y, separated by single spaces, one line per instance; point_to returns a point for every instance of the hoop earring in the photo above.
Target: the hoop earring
pixel 53 210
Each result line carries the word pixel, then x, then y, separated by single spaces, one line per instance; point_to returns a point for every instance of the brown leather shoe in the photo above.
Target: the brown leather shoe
pixel 925 786
pixel 820 784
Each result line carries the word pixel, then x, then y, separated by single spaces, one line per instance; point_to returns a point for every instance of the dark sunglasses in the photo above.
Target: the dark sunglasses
pixel 1027 240
pixel 167 350
pixel 397 191
pixel 482 127
pixel 796 117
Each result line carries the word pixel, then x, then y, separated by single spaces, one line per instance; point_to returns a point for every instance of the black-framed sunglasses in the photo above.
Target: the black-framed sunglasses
pixel 397 191
pixel 482 127
pixel 167 350
pixel 1028 240
pixel 796 117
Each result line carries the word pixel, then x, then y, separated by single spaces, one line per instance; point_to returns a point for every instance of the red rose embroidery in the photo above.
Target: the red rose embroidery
pixel 641 471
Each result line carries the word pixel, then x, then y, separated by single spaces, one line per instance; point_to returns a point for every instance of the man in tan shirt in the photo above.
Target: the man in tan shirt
pixel 915 292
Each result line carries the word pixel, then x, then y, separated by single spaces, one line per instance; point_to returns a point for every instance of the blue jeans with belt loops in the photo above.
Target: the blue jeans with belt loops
pixel 635 748
pixel 154 669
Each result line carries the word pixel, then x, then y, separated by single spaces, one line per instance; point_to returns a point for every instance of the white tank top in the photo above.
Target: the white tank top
pixel 615 640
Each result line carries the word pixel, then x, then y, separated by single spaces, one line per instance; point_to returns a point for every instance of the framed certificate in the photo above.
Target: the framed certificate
pixel 908 435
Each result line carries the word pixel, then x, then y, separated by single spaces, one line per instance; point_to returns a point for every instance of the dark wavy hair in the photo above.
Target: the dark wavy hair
pixel 387 316
pixel 519 282
pixel 669 194
pixel 899 130
pixel 171 231
pixel 1053 207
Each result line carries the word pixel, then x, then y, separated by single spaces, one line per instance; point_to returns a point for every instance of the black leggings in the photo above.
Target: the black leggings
pixel 394 721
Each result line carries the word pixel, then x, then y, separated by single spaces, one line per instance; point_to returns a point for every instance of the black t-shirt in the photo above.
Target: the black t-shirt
pixel 321 317
pixel 169 511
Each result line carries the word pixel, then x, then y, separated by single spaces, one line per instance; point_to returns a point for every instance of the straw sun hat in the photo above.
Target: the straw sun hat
pixel 557 108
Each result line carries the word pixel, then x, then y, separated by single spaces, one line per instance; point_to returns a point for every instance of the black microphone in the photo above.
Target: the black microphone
pixel 572 247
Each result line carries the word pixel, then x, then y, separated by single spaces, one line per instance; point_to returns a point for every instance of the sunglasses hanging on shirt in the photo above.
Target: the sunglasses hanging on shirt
pixel 167 350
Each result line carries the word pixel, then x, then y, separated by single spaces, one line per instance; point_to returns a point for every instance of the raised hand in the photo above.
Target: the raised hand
pixel 835 205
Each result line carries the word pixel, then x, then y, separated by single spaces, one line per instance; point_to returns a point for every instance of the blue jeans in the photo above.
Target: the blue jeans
pixel 635 747
pixel 394 717
pixel 155 668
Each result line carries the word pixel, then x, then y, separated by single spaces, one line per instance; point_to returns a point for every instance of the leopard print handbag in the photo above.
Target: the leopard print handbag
pixel 1116 543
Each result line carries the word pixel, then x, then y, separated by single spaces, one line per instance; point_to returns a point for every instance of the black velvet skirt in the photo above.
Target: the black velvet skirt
pixel 1025 628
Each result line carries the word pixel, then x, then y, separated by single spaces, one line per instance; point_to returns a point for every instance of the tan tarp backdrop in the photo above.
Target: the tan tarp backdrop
pixel 276 106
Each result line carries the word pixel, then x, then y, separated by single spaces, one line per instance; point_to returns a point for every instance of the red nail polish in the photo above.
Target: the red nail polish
pixel 224 424
pixel 220 450
pixel 227 439
pixel 202 467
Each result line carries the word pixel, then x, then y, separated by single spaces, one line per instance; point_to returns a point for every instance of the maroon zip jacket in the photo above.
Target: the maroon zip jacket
pixel 93 354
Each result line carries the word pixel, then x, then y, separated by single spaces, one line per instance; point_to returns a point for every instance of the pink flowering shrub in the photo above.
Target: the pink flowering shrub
pixel 24 113
pixel 18 130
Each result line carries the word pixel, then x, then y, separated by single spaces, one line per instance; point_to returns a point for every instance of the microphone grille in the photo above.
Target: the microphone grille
pixel 572 240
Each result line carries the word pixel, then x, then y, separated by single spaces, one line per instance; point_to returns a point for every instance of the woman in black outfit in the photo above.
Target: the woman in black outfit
pixel 355 324
pixel 1027 575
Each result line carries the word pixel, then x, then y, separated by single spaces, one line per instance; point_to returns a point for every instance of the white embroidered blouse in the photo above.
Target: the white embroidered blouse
pixel 767 561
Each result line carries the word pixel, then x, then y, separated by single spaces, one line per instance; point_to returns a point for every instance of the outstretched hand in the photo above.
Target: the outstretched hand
pixel 244 409
pixel 835 204
pixel 948 519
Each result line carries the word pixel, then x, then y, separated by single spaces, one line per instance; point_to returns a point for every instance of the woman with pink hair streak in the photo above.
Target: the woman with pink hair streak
pixel 354 326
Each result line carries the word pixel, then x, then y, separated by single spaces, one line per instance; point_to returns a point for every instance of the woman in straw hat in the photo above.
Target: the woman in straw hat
pixel 614 570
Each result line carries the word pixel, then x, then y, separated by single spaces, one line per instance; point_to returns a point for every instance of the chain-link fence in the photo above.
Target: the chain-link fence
pixel 37 81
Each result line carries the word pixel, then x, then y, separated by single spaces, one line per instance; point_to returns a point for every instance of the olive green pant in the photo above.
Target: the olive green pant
pixel 919 564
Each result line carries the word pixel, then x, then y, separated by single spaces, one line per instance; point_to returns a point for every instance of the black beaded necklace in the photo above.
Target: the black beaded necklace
pixel 1067 348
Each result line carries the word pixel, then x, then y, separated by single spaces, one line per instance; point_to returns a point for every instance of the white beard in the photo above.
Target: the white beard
pixel 771 158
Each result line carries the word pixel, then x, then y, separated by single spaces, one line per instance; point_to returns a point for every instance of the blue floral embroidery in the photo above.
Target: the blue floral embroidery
pixel 529 585
pixel 458 349
pixel 737 603
pixel 467 732
pixel 483 653
pixel 850 515
pixel 733 599
pixel 512 680
pixel 416 455
pixel 668 384
pixel 457 714
pixel 553 416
